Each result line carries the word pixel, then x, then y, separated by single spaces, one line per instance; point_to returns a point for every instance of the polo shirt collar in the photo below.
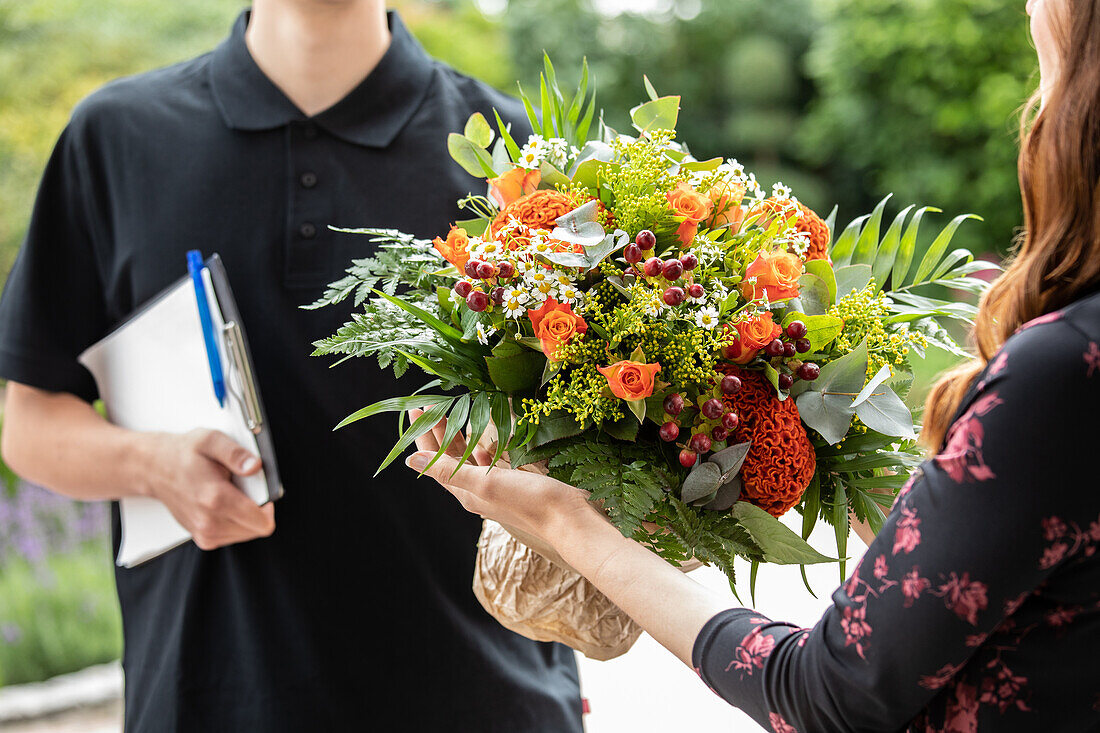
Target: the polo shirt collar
pixel 372 114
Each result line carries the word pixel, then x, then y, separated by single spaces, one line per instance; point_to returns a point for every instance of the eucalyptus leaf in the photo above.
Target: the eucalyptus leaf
pixel 887 414
pixel 474 160
pixel 883 374
pixel 726 496
pixel 824 270
pixel 814 297
pixel 852 277
pixel 826 405
pixel 703 481
pixel 730 460
pixel 478 130
pixel 659 114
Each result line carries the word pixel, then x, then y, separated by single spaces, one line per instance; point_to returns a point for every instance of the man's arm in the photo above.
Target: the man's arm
pixel 59 441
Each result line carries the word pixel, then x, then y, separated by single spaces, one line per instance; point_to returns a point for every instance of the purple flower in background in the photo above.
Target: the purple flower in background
pixel 10 633
pixel 36 523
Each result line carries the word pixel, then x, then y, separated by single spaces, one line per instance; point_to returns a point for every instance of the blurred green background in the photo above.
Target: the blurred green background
pixel 845 100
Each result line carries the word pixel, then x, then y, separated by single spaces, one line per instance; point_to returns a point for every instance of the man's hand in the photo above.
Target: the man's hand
pixel 192 474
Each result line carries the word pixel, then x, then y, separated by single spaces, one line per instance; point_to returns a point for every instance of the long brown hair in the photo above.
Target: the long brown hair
pixel 1057 257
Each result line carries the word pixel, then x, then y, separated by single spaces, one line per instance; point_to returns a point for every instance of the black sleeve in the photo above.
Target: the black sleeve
pixel 974 533
pixel 52 306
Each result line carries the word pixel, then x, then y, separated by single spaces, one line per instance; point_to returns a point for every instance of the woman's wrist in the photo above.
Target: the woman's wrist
pixel 584 538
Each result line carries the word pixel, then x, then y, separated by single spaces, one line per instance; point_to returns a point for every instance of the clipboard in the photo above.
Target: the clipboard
pixel 153 375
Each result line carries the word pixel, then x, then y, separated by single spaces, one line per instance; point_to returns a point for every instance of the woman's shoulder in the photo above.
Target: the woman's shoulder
pixel 1061 344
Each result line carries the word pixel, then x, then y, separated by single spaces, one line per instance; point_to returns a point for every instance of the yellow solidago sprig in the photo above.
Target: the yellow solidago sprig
pixel 864 313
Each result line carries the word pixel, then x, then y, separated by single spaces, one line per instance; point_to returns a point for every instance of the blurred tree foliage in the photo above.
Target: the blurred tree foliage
pixel 921 98
pixel 736 63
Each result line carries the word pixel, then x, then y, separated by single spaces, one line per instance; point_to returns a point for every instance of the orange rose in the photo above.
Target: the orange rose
pixel 515 183
pixel 774 272
pixel 456 249
pixel 690 204
pixel 726 198
pixel 630 380
pixel 753 335
pixel 555 324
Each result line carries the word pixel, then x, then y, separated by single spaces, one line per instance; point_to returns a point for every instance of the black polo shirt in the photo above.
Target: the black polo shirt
pixel 357 614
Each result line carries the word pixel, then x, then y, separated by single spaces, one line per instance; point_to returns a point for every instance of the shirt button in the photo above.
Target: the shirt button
pixel 308 179
pixel 307 230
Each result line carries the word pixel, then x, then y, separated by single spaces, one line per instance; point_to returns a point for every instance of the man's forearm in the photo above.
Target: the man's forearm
pixel 59 441
pixel 670 606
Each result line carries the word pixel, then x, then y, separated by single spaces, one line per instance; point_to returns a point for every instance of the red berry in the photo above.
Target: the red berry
pixel 486 270
pixel 731 384
pixel 471 268
pixel 796 329
pixel 498 296
pixel 730 421
pixel 477 301
pixel 719 434
pixel 688 458
pixel 713 409
pixel 700 443
pixel 689 261
pixel 696 290
pixel 632 253
pixel 507 270
pixel 669 432
pixel 463 288
pixel 646 239
pixel 802 346
pixel 785 381
pixel 788 350
pixel 774 349
pixel 674 296
pixel 672 270
pixel 674 404
pixel 653 266
pixel 809 371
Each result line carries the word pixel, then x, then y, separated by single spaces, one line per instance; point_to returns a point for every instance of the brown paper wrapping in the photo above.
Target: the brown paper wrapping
pixel 542 600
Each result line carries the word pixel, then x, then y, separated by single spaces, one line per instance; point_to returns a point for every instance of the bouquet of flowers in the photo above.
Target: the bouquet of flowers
pixel 698 353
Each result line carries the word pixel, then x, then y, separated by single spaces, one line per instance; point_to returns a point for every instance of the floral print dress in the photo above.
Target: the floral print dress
pixel 977 607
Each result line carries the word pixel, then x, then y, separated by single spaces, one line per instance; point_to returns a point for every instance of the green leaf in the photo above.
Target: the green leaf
pixel 908 247
pixel 649 89
pixel 820 330
pixel 625 429
pixel 701 483
pixel 884 412
pixel 888 251
pixel 555 426
pixel 637 407
pixel 814 297
pixel 826 405
pixel 840 526
pixel 501 412
pixel 852 277
pixel 478 131
pixel 394 404
pixel 842 249
pixel 479 420
pixel 824 270
pixel 779 543
pixel 868 509
pixel 474 160
pixel 883 374
pixel 939 246
pixel 445 330
pixel 520 372
pixel 551 176
pixel 473 227
pixel 659 114
pixel 811 506
pixel 506 136
pixel 867 246
pixel 456 420
pixel 421 425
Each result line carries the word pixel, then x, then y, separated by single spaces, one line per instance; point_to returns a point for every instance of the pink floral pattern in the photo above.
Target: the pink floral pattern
pixel 991 643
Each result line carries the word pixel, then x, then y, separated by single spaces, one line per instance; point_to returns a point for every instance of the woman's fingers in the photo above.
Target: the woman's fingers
pixel 427 441
pixel 469 478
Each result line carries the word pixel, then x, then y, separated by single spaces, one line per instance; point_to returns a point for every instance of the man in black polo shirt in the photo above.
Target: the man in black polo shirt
pixel 349 605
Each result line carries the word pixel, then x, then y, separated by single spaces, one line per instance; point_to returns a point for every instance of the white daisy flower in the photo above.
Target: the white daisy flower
pixel 563 279
pixel 514 308
pixel 707 318
pixel 518 294
pixel 483 334
pixel 545 289
pixel 567 293
pixel 753 186
pixel 781 191
pixel 533 153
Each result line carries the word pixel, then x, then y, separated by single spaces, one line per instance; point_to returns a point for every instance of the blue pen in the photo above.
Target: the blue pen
pixel 195 267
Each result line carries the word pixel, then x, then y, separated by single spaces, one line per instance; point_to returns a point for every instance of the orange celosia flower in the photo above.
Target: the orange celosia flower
pixel 773 273
pixel 555 324
pixel 456 249
pixel 510 186
pixel 630 380
pixel 690 204
pixel 808 221
pixel 781 461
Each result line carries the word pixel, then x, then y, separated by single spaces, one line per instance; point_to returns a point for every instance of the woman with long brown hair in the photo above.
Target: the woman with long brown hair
pixel 977 607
